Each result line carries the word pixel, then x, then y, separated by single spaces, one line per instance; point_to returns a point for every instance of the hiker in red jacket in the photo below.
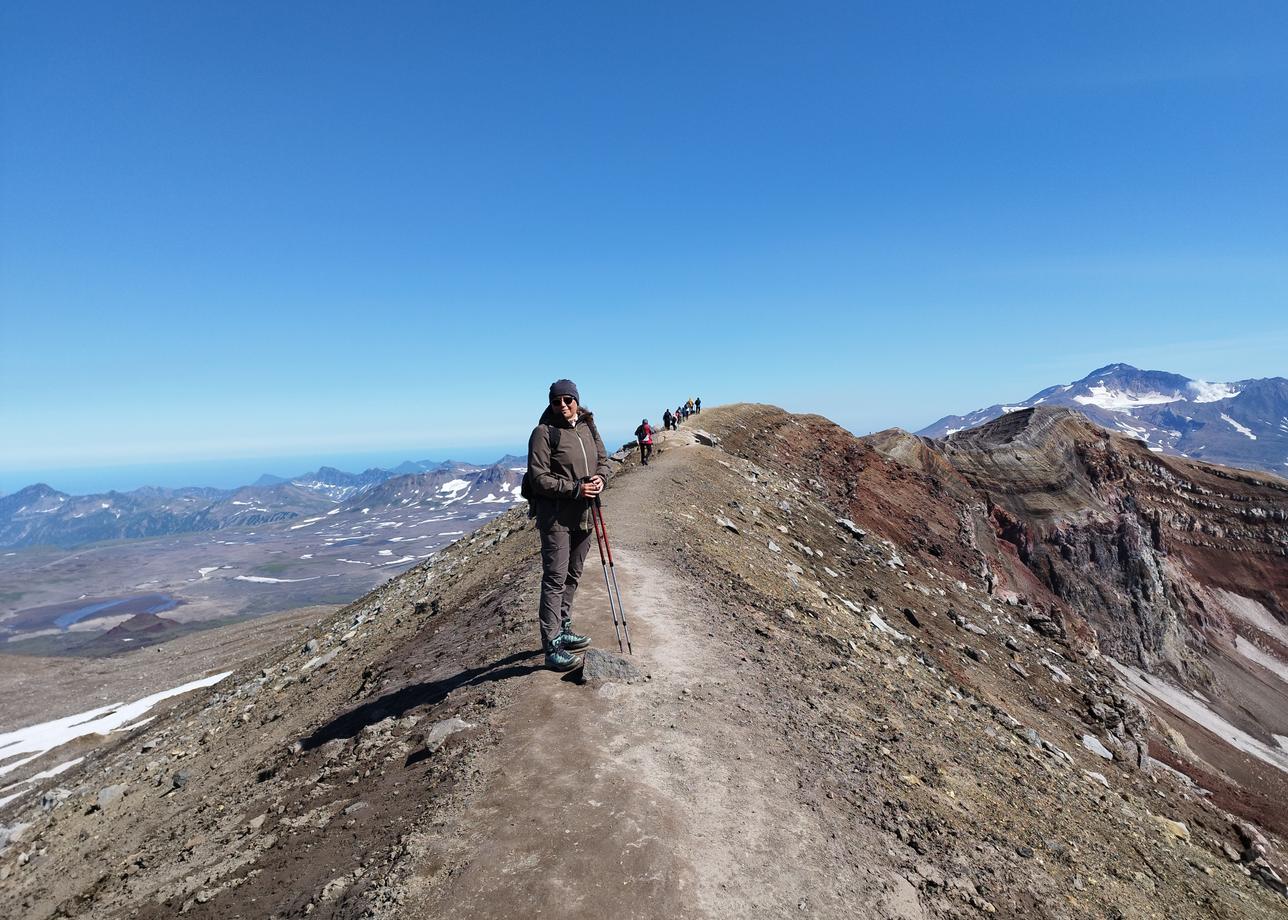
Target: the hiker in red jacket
pixel 644 434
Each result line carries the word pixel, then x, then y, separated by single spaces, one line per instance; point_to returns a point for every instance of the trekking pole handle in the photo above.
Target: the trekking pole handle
pixel 599 510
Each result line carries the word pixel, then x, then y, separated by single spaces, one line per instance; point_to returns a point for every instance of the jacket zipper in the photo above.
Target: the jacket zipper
pixel 585 458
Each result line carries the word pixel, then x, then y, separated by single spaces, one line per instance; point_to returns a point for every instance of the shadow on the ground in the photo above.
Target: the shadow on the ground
pixel 402 701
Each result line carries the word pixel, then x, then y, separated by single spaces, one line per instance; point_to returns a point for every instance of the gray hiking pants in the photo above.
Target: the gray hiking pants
pixel 563 556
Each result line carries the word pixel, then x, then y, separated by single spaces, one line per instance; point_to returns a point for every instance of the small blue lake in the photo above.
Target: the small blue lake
pixel 143 603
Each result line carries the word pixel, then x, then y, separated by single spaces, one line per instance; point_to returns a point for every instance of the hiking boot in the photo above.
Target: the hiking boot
pixel 570 641
pixel 559 660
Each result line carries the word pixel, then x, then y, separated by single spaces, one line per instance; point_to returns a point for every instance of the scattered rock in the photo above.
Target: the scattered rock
pixel 1044 625
pixel 901 901
pixel 1270 878
pixel 110 794
pixel 855 530
pixel 320 661
pixel 1031 737
pixel 1251 838
pixel 1173 828
pixel 334 887
pixel 726 523
pixel 1157 767
pixel 928 875
pixel 11 833
pixel 310 647
pixel 440 731
pixel 358 806
pixel 1092 743
pixel 882 626
pixel 180 779
pixel 52 798
pixel 1058 674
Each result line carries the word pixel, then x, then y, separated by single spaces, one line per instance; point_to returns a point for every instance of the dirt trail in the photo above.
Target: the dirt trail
pixel 674 796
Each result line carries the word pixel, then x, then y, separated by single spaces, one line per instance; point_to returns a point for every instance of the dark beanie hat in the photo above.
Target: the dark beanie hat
pixel 564 388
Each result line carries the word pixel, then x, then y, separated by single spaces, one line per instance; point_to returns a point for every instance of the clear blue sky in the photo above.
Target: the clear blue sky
pixel 308 229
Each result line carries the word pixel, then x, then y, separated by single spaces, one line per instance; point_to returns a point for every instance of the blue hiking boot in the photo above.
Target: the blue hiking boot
pixel 568 640
pixel 559 660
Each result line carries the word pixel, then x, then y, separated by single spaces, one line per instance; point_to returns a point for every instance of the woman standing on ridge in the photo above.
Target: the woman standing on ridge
pixel 567 469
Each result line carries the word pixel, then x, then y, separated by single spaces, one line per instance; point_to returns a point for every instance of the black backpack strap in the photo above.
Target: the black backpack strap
pixel 525 487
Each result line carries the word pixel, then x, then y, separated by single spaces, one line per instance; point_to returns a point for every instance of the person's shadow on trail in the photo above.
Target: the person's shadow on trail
pixel 402 701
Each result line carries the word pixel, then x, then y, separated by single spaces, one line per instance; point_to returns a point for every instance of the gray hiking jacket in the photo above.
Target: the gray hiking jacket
pixel 556 475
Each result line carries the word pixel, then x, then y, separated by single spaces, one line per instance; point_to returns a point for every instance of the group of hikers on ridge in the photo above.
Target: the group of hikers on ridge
pixel 671 420
pixel 567 470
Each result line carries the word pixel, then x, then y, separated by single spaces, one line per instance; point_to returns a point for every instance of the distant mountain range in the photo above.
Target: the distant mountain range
pixel 39 514
pixel 1242 424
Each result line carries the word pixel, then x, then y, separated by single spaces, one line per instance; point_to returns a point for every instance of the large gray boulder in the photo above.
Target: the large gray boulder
pixel 599 666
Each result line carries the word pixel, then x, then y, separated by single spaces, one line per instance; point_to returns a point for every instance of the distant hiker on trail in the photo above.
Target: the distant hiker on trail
pixel 567 469
pixel 667 420
pixel 697 404
pixel 644 434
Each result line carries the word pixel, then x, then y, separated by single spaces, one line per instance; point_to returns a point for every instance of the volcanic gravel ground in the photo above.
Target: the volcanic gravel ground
pixel 814 735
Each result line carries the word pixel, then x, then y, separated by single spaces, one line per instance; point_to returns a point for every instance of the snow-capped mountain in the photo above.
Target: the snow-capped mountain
pixel 338 485
pixel 39 514
pixel 1243 423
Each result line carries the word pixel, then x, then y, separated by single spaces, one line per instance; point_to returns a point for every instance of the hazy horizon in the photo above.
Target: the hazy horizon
pixel 225 473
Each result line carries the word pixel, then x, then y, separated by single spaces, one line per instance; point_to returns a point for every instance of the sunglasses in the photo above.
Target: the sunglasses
pixel 562 401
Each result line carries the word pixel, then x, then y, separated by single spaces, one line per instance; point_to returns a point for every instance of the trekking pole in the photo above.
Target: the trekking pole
pixel 599 512
pixel 601 538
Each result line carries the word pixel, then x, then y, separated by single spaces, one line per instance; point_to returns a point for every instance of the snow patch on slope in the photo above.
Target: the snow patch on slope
pixel 1246 432
pixel 1252 612
pixel 1261 657
pixel 1193 708
pixel 1116 400
pixel 35 740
